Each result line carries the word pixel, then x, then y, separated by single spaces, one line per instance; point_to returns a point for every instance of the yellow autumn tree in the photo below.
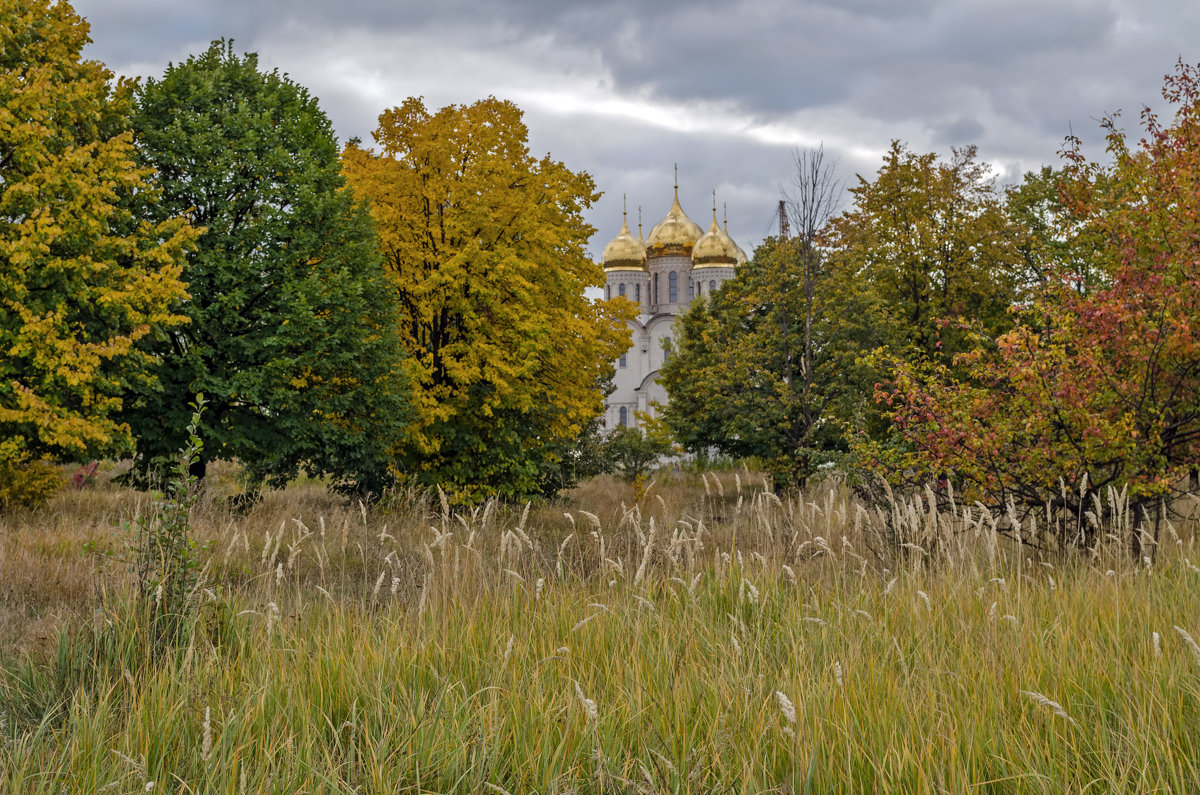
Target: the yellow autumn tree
pixel 484 245
pixel 81 279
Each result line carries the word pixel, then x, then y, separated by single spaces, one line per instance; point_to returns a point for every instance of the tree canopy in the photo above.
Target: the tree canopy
pixel 780 365
pixel 292 331
pixel 932 240
pixel 83 279
pixel 1098 384
pixel 484 248
pixel 767 369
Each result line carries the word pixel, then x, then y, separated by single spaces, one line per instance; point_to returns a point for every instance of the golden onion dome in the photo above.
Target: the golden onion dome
pixel 623 252
pixel 716 249
pixel 675 234
pixel 741 255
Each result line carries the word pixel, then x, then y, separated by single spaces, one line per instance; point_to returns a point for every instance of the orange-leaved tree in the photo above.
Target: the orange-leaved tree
pixel 1097 386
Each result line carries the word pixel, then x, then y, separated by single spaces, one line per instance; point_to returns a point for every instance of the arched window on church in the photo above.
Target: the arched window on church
pixel 637 293
pixel 621 289
pixel 624 360
pixel 691 288
pixel 624 416
pixel 712 285
pixel 672 288
pixel 667 350
pixel 608 291
pixel 655 298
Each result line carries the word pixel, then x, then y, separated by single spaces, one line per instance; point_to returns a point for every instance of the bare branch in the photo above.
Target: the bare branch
pixel 815 194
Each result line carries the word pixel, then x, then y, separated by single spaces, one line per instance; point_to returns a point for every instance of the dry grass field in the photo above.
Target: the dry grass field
pixel 705 637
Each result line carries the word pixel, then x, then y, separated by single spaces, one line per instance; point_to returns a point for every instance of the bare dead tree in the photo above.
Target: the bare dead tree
pixel 812 199
pixel 815 193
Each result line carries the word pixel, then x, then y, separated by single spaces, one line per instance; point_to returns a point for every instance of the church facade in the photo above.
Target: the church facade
pixel 662 273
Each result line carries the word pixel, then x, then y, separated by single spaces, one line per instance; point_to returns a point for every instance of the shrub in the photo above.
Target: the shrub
pixel 25 482
pixel 633 453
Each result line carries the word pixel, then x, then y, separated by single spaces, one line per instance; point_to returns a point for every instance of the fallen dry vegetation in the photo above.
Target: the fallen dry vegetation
pixel 708 636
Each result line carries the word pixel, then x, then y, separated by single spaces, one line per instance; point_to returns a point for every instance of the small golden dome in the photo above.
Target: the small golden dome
pixel 675 234
pixel 624 252
pixel 715 249
pixel 741 255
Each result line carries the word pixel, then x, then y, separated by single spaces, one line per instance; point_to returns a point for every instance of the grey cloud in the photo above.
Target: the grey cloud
pixel 957 132
pixel 1013 76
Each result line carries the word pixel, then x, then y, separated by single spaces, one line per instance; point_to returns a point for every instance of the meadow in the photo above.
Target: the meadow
pixel 702 635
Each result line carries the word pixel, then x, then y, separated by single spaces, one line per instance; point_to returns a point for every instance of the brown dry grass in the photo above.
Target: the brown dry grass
pixel 57 561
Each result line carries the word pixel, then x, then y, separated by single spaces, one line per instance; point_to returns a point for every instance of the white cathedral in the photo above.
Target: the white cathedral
pixel 662 275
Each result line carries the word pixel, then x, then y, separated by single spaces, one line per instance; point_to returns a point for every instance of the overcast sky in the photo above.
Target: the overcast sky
pixel 625 89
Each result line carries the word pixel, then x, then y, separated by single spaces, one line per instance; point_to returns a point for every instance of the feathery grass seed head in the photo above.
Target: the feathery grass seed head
pixel 1053 706
pixel 1191 643
pixel 786 707
pixel 589 706
pixel 206 743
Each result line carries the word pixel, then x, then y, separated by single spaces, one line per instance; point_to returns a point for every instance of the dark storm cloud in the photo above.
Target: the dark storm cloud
pixel 624 89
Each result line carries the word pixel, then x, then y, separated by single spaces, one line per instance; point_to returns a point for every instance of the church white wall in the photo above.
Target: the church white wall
pixel 658 329
pixel 636 286
pixel 635 378
pixel 629 376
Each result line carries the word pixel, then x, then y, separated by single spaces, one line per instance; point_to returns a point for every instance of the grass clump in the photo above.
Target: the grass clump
pixel 163 553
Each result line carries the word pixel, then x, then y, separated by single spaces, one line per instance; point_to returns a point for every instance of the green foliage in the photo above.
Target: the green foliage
pixel 82 279
pixel 291 331
pixel 780 364
pixel 632 452
pixel 1053 243
pixel 765 371
pixel 575 459
pixel 485 250
pixel 931 242
pixel 26 483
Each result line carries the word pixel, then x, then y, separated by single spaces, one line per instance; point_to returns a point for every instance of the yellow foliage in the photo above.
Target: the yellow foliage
pixel 83 278
pixel 655 428
pixel 25 482
pixel 485 249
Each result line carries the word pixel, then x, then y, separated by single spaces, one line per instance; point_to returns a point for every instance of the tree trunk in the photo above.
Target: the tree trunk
pixel 1139 524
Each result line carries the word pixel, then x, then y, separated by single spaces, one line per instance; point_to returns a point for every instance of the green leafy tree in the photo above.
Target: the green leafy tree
pixel 766 368
pixel 82 279
pixel 1052 244
pixel 163 559
pixel 292 332
pixel 633 452
pixel 484 247
pixel 581 457
pixel 933 242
